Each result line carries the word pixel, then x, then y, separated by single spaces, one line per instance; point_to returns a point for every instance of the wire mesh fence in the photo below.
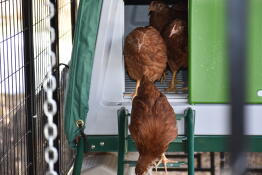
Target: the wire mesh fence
pixel 13 121
pixel 65 43
pixel 24 47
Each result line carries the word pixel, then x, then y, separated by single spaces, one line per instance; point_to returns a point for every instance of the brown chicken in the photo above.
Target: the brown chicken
pixel 160 15
pixel 175 36
pixel 145 54
pixel 172 23
pixel 153 126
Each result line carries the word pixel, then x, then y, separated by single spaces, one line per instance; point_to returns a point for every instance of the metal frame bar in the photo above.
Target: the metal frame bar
pixel 79 157
pixel 237 53
pixel 198 167
pixel 212 163
pixel 73 17
pixel 29 82
pixel 122 139
pixel 190 120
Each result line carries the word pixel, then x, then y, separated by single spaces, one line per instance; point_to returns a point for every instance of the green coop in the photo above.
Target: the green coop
pixel 98 104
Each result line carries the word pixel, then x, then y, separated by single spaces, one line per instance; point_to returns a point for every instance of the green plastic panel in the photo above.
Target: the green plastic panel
pixel 208 83
pixel 203 143
pixel 208 61
pixel 255 51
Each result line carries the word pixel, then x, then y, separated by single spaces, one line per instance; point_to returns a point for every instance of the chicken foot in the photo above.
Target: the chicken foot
pixel 164 160
pixel 136 90
pixel 173 83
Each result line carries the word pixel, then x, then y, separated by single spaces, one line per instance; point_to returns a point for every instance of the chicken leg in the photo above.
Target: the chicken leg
pixel 137 86
pixel 136 90
pixel 164 160
pixel 172 84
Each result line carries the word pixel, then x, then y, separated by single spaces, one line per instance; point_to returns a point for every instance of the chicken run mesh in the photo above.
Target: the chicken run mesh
pixel 24 47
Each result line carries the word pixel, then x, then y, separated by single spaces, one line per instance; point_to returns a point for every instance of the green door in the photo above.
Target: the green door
pixel 208 60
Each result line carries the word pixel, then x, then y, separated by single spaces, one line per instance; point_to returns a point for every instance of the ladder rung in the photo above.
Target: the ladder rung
pixel 180 140
pixel 180 116
pixel 169 165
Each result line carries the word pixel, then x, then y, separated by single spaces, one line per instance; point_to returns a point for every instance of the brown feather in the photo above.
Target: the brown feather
pixel 145 54
pixel 159 15
pixel 175 36
pixel 153 124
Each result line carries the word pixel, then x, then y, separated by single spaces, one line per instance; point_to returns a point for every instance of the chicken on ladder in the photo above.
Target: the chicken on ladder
pixel 153 126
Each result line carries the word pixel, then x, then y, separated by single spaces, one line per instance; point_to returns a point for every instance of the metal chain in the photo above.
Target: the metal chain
pixel 50 106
